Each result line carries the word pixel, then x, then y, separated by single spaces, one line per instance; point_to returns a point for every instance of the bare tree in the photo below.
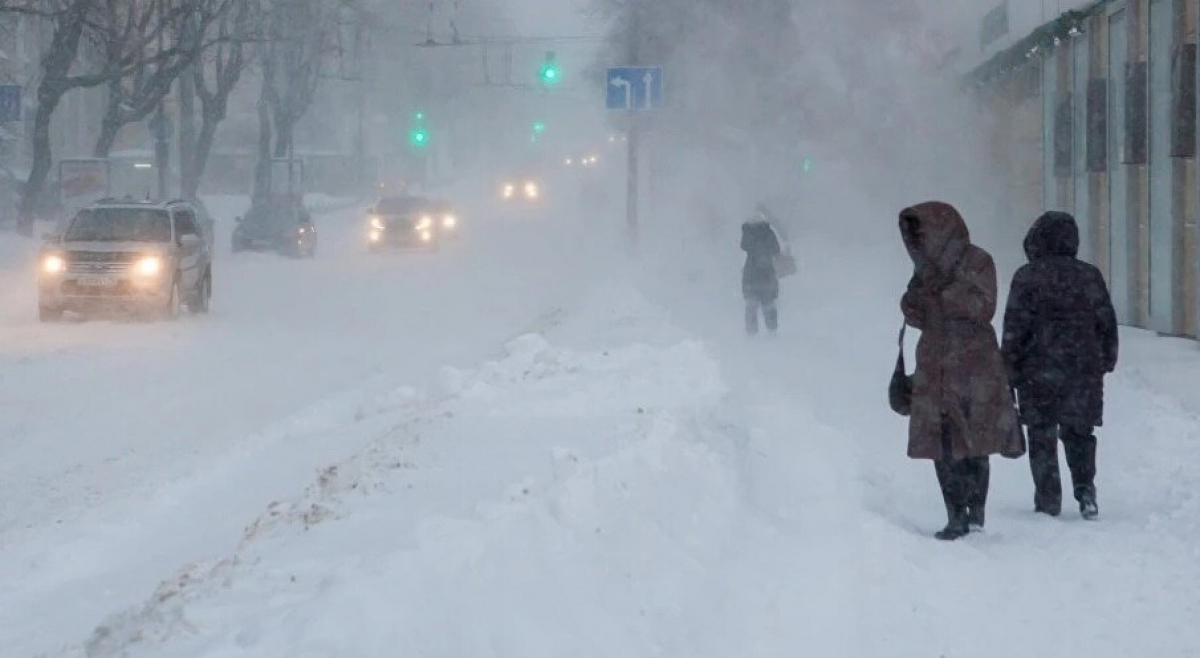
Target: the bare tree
pixel 213 79
pixel 73 23
pixel 133 39
pixel 299 37
pixel 69 19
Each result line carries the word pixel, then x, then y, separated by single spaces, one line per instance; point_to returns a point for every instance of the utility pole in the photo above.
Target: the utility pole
pixel 631 166
pixel 162 147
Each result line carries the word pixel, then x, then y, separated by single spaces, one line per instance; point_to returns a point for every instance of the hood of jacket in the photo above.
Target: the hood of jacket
pixel 934 234
pixel 1053 234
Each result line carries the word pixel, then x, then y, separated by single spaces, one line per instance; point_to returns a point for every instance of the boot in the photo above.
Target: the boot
pixel 1088 508
pixel 956 525
pixel 975 517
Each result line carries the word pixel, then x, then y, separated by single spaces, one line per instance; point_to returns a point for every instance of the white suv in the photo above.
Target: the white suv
pixel 147 258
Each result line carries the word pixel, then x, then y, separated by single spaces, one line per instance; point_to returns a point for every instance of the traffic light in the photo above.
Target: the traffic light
pixel 550 73
pixel 807 165
pixel 418 136
pixel 539 129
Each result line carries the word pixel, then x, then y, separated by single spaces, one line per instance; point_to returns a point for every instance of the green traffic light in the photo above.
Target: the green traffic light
pixel 807 166
pixel 419 137
pixel 539 127
pixel 550 72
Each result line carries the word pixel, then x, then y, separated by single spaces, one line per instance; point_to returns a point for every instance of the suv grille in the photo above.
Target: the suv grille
pixel 100 263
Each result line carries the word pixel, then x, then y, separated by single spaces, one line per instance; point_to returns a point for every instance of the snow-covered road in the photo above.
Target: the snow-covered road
pixel 127 449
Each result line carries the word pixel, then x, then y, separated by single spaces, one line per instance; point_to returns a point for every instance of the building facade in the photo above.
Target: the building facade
pixel 1095 114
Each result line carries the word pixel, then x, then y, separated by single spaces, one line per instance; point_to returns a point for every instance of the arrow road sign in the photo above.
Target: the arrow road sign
pixel 634 88
pixel 10 103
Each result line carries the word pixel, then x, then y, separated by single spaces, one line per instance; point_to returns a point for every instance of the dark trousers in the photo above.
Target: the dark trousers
pixel 964 483
pixel 964 486
pixel 1080 445
pixel 769 311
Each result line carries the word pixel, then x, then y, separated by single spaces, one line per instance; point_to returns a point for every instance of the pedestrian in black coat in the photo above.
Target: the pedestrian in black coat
pixel 1060 339
pixel 760 282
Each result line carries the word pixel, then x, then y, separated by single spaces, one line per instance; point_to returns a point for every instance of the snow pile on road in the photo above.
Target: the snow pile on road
pixel 602 491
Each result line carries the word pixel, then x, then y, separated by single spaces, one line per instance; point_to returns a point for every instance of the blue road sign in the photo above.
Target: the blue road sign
pixel 10 103
pixel 634 88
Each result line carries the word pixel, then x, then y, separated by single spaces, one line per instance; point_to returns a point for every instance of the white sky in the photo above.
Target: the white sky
pixel 548 17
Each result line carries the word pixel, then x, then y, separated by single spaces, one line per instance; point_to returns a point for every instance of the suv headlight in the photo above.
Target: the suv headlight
pixel 449 221
pixel 425 224
pixel 531 190
pixel 54 264
pixel 377 224
pixel 149 266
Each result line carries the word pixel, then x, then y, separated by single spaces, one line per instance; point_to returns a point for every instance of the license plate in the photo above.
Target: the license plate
pixel 97 281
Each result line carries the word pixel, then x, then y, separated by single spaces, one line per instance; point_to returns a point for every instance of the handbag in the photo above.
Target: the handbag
pixel 785 264
pixel 900 389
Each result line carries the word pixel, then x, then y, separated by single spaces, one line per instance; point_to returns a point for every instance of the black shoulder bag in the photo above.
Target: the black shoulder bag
pixel 900 390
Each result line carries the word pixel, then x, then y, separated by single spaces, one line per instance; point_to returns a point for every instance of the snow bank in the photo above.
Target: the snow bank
pixel 509 512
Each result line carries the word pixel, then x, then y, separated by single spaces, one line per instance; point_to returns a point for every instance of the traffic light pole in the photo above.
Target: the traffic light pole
pixel 631 167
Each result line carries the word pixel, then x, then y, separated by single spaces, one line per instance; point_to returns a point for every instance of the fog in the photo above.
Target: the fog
pixel 450 400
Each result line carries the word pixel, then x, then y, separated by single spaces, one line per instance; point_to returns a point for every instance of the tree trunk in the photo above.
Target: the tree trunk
pixel 110 126
pixel 283 137
pixel 203 149
pixel 31 192
pixel 189 178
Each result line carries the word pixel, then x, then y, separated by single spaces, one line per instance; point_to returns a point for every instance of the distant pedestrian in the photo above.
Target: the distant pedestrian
pixel 1060 339
pixel 961 408
pixel 760 281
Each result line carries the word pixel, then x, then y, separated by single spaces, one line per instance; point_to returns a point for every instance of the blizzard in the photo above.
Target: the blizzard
pixel 603 466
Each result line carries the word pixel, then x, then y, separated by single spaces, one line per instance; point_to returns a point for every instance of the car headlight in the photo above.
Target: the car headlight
pixel 425 223
pixel 377 224
pixel 531 190
pixel 375 236
pixel 149 266
pixel 508 191
pixel 426 236
pixel 449 221
pixel 54 264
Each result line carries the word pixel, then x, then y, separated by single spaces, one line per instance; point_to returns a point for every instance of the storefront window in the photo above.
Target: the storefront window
pixel 1118 183
pixel 1079 152
pixel 1162 229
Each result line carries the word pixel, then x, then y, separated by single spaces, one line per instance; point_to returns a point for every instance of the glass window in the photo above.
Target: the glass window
pixel 120 225
pixel 1080 205
pixel 1049 105
pixel 185 223
pixel 1162 224
pixel 1118 181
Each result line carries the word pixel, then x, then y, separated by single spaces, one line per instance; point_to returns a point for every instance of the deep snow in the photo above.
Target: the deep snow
pixel 630 477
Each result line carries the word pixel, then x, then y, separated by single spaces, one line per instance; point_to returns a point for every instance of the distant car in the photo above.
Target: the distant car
pixel 404 222
pixel 283 227
pixel 144 257
pixel 521 189
pixel 447 219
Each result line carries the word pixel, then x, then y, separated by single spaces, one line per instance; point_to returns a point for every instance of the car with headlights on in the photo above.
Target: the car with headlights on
pixel 446 218
pixel 118 256
pixel 404 222
pixel 521 190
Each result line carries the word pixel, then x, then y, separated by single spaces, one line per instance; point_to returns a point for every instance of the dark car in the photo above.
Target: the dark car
pixel 283 227
pixel 404 222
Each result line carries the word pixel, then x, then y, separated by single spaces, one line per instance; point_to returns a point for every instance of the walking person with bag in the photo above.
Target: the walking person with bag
pixel 1060 339
pixel 959 402
pixel 760 278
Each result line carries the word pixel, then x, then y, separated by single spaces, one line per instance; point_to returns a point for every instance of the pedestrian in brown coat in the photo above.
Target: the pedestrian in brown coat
pixel 962 406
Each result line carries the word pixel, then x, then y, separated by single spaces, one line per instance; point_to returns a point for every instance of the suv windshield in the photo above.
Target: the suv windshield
pixel 400 205
pixel 120 225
